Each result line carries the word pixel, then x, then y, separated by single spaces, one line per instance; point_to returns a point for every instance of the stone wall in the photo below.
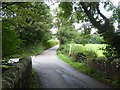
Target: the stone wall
pixel 19 76
pixel 110 68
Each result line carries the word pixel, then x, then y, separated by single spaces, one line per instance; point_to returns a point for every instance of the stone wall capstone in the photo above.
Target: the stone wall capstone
pixel 19 76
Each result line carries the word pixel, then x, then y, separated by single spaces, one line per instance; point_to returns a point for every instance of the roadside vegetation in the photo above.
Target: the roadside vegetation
pixel 35 83
pixel 35 49
pixel 90 51
pixel 52 43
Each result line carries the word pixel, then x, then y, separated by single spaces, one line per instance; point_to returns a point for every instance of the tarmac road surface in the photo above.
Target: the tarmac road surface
pixel 54 73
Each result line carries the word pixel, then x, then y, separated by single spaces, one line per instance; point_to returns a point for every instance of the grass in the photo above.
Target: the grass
pixel 77 65
pixel 34 81
pixel 91 47
pixel 96 48
pixel 82 67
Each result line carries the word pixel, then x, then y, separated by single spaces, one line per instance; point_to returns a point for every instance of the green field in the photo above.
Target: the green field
pixel 89 47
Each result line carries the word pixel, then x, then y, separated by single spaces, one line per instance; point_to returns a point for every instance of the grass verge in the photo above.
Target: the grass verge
pixel 77 65
pixel 34 81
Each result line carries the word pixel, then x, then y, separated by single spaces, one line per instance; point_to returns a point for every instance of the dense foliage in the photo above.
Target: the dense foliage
pixel 90 11
pixel 82 38
pixel 52 43
pixel 24 24
pixel 66 34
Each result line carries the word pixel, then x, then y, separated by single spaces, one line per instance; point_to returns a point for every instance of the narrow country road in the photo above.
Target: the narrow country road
pixel 54 73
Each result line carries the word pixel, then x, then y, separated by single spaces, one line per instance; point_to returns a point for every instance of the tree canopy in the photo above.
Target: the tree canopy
pixel 90 11
pixel 24 23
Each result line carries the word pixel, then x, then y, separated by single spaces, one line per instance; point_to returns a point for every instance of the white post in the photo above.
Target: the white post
pixel 70 50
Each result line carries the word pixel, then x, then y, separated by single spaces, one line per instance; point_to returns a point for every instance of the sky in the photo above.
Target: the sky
pixel 78 25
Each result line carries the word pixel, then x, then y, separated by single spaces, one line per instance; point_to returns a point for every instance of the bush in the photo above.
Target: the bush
pixel 90 54
pixel 64 49
pixel 52 43
pixel 80 57
pixel 10 42
pixel 110 52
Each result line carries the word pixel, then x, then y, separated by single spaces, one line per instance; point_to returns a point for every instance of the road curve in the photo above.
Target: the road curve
pixel 54 73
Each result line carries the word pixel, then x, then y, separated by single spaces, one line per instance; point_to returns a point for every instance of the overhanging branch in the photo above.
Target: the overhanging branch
pixel 91 16
pixel 5 5
pixel 98 10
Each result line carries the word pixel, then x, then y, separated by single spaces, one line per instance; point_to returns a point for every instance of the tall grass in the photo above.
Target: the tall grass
pixel 33 49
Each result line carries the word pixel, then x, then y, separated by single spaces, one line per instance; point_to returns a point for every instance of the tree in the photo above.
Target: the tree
pixel 24 24
pixel 66 31
pixel 105 25
pixel 87 39
pixel 66 34
pixel 10 41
